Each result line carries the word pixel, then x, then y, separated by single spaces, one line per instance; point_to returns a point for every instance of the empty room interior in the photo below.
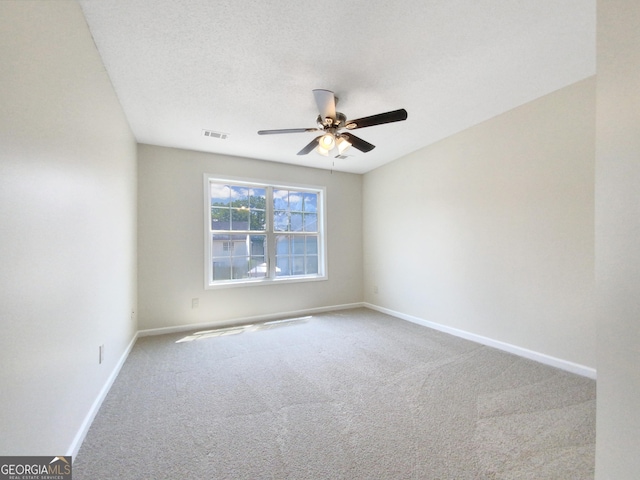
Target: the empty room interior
pixel 484 217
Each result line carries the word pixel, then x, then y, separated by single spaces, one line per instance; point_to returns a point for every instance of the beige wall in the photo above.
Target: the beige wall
pixel 618 240
pixel 171 241
pixel 67 228
pixel 490 231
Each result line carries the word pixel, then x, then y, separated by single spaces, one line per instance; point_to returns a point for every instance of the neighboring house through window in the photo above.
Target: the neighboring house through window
pixel 260 232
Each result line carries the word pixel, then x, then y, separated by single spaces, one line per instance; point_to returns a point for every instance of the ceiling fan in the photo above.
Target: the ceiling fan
pixel 331 123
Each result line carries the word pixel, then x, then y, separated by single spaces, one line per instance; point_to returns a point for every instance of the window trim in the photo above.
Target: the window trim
pixel 270 252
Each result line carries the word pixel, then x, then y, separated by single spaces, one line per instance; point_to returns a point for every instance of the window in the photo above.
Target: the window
pixel 257 233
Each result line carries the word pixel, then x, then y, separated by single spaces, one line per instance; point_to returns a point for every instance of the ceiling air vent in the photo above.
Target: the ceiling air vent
pixel 212 134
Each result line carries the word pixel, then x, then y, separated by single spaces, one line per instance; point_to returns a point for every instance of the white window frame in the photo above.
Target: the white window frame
pixel 270 253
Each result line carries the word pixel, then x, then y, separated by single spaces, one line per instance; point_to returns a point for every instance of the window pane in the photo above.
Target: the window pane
pixel 221 269
pixel 240 197
pixel 282 266
pixel 312 245
pixel 258 198
pixel 310 202
pixel 240 267
pixel 282 245
pixel 257 220
pixel 298 245
pixel 221 250
pixel 298 265
pixel 295 201
pixel 220 194
pixel 257 245
pixel 239 219
pixel 312 264
pixel 280 221
pixel 240 245
pixel 258 267
pixel 310 222
pixel 220 245
pixel 280 199
pixel 220 218
pixel 296 222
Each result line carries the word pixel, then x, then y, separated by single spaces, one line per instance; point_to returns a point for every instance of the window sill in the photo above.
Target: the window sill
pixel 264 281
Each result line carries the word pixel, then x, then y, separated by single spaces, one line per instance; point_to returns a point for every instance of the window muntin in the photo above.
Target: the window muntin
pixel 237 208
pixel 297 255
pixel 260 233
pixel 239 256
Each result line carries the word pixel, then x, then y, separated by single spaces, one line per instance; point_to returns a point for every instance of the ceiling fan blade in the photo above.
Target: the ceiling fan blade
pixel 379 119
pixel 310 146
pixel 357 142
pixel 287 130
pixel 326 102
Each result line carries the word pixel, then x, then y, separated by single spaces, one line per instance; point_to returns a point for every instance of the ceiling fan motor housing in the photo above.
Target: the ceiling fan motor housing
pixel 329 122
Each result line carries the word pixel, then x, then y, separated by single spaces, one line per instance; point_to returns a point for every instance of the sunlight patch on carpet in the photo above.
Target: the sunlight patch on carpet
pixel 226 331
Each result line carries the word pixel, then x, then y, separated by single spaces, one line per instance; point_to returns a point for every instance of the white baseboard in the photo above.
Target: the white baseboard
pixel 93 411
pixel 245 320
pixel 522 352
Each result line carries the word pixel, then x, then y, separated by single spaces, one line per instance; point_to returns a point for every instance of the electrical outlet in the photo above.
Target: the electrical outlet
pixel 375 289
pixel 100 354
pixel 133 314
pixel 195 303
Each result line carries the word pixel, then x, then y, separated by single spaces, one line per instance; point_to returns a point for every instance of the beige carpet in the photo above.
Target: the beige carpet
pixel 354 394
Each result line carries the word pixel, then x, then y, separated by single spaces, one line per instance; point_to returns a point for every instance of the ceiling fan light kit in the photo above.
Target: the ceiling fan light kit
pixel 327 141
pixel 330 122
pixel 343 144
pixel 321 150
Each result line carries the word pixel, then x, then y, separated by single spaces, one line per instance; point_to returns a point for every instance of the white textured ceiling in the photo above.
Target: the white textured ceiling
pixel 181 66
